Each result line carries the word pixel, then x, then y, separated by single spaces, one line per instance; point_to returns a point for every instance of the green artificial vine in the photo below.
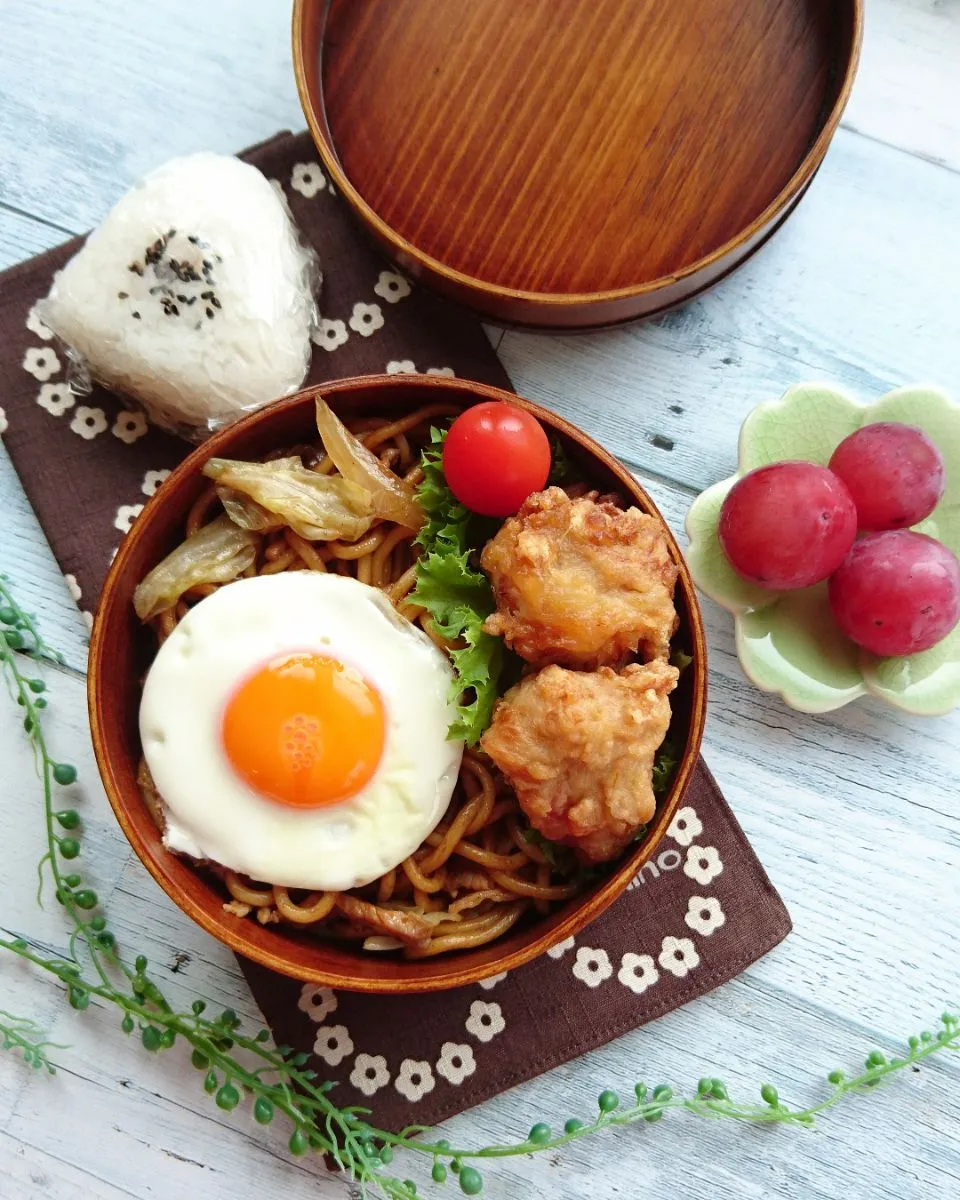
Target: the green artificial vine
pixel 241 1068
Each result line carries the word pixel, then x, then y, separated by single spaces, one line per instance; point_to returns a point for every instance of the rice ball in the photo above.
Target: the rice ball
pixel 195 296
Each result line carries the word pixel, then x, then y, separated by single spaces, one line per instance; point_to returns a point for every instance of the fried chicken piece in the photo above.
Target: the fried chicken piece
pixel 581 582
pixel 577 747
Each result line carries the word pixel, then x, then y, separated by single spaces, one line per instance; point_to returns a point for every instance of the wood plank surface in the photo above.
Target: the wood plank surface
pixel 855 814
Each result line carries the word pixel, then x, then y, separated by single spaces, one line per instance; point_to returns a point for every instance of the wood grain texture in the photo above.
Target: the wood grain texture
pixel 861 287
pixel 557 164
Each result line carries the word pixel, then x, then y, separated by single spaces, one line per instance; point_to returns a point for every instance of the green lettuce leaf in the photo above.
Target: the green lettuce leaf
pixel 457 595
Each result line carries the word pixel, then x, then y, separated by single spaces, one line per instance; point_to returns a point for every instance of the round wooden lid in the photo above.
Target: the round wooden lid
pixel 573 148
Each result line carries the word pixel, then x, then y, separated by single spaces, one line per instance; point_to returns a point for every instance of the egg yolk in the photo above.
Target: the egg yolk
pixel 305 730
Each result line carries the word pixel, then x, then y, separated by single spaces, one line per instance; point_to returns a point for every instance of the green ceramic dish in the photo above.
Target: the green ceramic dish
pixel 788 643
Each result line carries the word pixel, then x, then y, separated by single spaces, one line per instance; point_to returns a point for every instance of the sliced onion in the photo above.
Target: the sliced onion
pixel 318 507
pixel 392 498
pixel 216 553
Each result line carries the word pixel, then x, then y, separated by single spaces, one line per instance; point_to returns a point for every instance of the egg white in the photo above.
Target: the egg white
pixel 211 813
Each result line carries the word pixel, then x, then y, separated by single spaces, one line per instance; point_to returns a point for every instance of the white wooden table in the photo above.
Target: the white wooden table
pixel 855 814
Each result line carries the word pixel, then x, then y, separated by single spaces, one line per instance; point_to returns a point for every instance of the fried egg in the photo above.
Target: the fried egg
pixel 295 726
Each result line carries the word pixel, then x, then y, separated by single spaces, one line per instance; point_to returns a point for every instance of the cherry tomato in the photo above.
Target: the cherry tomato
pixel 494 456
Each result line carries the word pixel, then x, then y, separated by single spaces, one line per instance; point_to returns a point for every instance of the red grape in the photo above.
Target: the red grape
pixel 897 593
pixel 893 472
pixel 787 525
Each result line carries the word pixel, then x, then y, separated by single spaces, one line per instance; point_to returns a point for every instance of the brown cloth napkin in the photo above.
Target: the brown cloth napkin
pixel 700 911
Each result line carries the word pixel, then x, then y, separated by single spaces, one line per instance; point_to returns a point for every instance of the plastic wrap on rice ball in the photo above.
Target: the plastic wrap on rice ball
pixel 195 297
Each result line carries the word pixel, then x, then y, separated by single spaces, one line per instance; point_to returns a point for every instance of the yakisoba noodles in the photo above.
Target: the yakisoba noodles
pixel 477 873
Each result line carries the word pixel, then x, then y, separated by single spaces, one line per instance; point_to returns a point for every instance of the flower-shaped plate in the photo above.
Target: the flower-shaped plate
pixel 788 642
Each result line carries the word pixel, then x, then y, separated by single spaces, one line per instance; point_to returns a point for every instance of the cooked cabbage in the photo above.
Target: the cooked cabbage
pixel 317 507
pixel 216 553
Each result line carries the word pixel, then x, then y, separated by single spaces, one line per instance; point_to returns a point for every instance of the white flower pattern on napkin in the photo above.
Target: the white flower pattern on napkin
pixel 308 179
pixel 317 1002
pixel 73 588
pixel 592 967
pixel 42 363
pixel 414 1079
pixel 369 1073
pixel 703 864
pixel 391 287
pixel 637 972
pixel 129 426
pixel 152 480
pixel 704 914
pixel 401 366
pixel 88 422
pixel 330 335
pixel 678 956
pixel 126 515
pixel 366 319
pixel 333 1044
pixel 56 398
pixel 485 1020
pixel 4 423
pixel 456 1062
pixel 685 826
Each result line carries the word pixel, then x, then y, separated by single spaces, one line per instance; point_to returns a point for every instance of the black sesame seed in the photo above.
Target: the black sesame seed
pixel 206 295
pixel 181 298
pixel 192 300
pixel 215 302
pixel 210 312
pixel 122 295
pixel 193 239
pixel 136 316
